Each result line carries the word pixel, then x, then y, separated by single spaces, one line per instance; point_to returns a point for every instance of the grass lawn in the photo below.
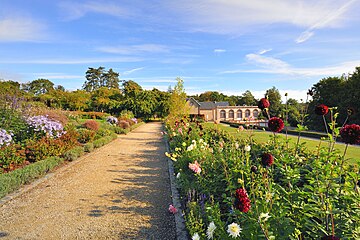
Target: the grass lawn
pixel 353 152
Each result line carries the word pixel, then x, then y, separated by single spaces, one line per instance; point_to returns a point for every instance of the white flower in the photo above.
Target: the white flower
pixel 247 148
pixel 236 145
pixel 195 237
pixel 210 230
pixel 264 217
pixel 178 175
pixel 234 230
pixel 201 140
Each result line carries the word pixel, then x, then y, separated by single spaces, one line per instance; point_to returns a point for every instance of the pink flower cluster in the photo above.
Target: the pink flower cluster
pixel 172 209
pixel 195 167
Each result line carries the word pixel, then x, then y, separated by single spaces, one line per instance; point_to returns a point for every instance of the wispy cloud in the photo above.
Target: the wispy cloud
pixel 261 52
pixel 325 21
pixel 135 49
pixel 75 10
pixel 21 29
pixel 133 70
pixel 277 66
pixel 73 61
pixel 220 16
pixel 219 50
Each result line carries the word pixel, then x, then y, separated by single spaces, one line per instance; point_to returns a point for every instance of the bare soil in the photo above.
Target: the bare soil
pixel 121 191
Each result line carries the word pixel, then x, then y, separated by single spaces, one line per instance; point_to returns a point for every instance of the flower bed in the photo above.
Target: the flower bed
pixel 237 189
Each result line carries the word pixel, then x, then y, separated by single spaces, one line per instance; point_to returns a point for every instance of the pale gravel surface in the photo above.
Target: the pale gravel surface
pixel 121 191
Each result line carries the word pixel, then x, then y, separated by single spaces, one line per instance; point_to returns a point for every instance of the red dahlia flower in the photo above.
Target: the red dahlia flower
pixel 263 103
pixel 330 238
pixel 242 201
pixel 267 159
pixel 350 134
pixel 321 109
pixel 276 124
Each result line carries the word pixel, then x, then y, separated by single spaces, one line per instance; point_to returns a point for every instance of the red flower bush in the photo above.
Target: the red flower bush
pixel 91 125
pixel 242 201
pixel 263 103
pixel 350 134
pixel 321 109
pixel 276 124
pixel 267 159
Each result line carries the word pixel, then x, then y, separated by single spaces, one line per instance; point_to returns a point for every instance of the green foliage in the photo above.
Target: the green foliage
pixel 39 86
pixel 98 77
pixel 89 147
pixel 73 153
pixel 178 106
pixel 274 98
pixel 13 121
pixel 11 181
pixel 10 157
pixel 85 135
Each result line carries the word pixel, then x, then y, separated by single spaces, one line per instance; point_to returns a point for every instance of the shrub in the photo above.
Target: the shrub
pixel 124 124
pixel 102 133
pixel 89 147
pixel 112 120
pixel 10 157
pixel 54 115
pixel 92 125
pixel 11 181
pixel 119 130
pixel 5 138
pixel 126 114
pixel 73 153
pixel 37 150
pixel 85 135
pixel 12 121
pixel 99 142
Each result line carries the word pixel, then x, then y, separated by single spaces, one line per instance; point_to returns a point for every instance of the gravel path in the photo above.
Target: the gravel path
pixel 121 191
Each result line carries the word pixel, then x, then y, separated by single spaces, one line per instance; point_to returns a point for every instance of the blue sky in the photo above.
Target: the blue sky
pixel 215 45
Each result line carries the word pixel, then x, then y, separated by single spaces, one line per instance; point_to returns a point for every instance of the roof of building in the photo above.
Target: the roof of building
pixel 207 105
pixel 222 104
pixel 193 100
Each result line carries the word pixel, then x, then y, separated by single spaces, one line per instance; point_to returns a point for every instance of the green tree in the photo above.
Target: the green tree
pixel 248 99
pixel 99 77
pixel 161 109
pixel 178 106
pixel 274 98
pixel 39 86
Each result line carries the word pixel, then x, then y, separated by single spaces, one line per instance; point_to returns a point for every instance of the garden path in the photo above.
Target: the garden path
pixel 120 191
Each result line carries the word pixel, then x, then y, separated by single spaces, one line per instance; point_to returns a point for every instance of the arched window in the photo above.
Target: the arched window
pixel 231 114
pixel 255 113
pixel 247 113
pixel 222 114
pixel 239 114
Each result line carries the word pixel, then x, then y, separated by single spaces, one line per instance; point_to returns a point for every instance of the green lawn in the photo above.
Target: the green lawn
pixel 353 152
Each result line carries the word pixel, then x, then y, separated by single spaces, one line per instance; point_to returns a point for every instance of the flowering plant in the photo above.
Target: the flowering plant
pixel 5 138
pixel 44 125
pixel 112 120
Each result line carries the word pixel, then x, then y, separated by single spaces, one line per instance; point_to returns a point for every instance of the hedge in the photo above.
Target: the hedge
pixel 291 132
pixel 13 180
pixel 74 153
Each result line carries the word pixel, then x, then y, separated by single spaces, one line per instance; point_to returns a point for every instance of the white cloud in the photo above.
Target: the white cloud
pixel 21 29
pixel 325 21
pixel 73 61
pixel 261 52
pixel 277 66
pixel 135 49
pixel 267 62
pixel 76 10
pixel 234 16
pixel 219 50
pixel 133 70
